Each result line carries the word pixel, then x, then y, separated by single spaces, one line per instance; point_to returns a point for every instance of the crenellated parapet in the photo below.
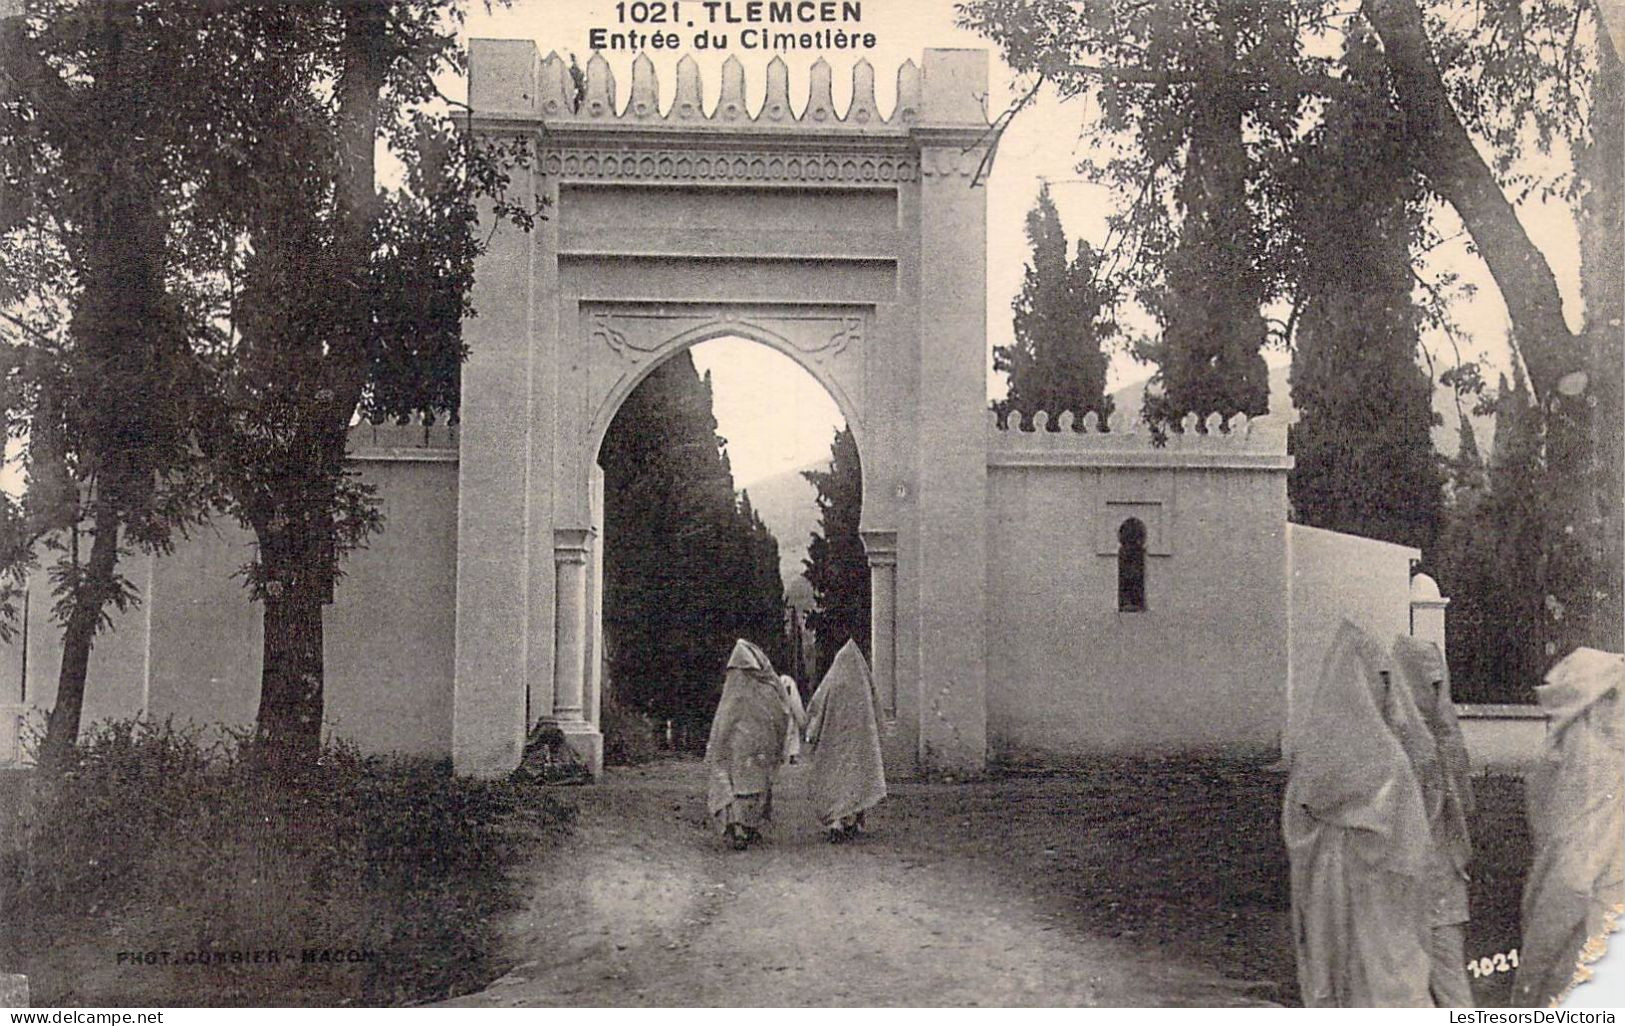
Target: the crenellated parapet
pixel 508 79
pixel 605 130
pixel 411 441
pixel 1258 444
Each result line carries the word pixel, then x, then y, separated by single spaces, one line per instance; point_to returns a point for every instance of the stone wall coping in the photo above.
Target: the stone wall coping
pixel 418 442
pixel 999 457
pixel 1256 444
pixel 1500 711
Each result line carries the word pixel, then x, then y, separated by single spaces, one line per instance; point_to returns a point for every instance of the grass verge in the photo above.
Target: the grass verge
pixel 161 870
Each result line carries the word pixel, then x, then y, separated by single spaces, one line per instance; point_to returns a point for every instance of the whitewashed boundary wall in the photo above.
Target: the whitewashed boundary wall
pixel 1040 591
pixel 1202 666
pixel 1339 576
pixel 191 651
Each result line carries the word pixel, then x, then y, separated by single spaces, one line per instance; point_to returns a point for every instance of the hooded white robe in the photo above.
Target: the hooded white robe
pixel 845 776
pixel 1357 836
pixel 747 739
pixel 1576 807
pixel 1444 774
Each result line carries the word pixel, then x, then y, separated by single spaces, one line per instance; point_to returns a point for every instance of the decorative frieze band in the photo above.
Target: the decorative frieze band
pixel 606 163
pixel 634 334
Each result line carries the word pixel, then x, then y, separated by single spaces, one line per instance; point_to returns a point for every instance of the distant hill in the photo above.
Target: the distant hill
pixel 787 503
pixel 1446 436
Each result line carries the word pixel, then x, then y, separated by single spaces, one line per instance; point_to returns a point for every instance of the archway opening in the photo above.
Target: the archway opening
pixel 731 493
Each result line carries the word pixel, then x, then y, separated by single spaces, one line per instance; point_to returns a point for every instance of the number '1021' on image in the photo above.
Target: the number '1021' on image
pixel 1489 965
pixel 740 12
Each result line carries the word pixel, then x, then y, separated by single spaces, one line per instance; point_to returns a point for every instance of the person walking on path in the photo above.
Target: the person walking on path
pixel 746 745
pixel 845 775
pixel 1447 797
pixel 1576 805
pixel 1357 837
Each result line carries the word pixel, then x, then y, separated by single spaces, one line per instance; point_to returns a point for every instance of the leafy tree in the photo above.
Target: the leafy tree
pixel 1602 261
pixel 1365 462
pixel 1515 76
pixel 341 298
pixel 95 147
pixel 1058 362
pixel 836 564
pixel 1179 84
pixel 1449 93
pixel 243 289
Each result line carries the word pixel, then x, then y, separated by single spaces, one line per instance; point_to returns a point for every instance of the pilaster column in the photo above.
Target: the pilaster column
pixel 572 559
pixel 881 547
pixel 498 441
pixel 1427 610
pixel 571 550
pixel 950 500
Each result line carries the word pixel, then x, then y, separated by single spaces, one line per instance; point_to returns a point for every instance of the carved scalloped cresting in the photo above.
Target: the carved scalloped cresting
pixel 559 99
pixel 1265 434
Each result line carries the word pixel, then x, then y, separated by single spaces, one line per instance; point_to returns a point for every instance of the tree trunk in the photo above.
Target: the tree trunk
pixel 1446 155
pixel 79 634
pixel 1574 576
pixel 1602 282
pixel 289 721
pixel 300 558
pixel 361 82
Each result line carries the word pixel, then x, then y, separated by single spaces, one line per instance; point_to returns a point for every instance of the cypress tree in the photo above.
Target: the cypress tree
pixel 1510 537
pixel 688 566
pixel 1216 282
pixel 1057 363
pixel 1489 557
pixel 1464 573
pixel 759 607
pixel 1365 462
pixel 836 565
pixel 665 524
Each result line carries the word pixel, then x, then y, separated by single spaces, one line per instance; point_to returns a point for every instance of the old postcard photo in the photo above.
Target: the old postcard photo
pixel 788 503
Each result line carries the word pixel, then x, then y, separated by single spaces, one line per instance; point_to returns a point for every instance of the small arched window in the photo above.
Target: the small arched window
pixel 1131 566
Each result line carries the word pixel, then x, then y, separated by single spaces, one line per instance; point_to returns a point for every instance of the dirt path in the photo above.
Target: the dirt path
pixel 642 906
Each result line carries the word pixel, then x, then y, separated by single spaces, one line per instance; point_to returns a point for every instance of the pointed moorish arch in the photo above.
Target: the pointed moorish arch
pixel 721 329
pixel 852 243
pixel 728 326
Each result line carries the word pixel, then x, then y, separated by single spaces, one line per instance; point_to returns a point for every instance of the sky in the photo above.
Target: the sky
pixel 774 416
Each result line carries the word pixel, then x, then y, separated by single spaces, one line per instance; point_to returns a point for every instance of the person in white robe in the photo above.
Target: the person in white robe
pixel 1357 837
pixel 798 718
pixel 746 744
pixel 1576 807
pixel 845 776
pixel 1443 771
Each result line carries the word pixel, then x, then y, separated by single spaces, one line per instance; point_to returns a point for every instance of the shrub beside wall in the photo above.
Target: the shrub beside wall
pixel 164 870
